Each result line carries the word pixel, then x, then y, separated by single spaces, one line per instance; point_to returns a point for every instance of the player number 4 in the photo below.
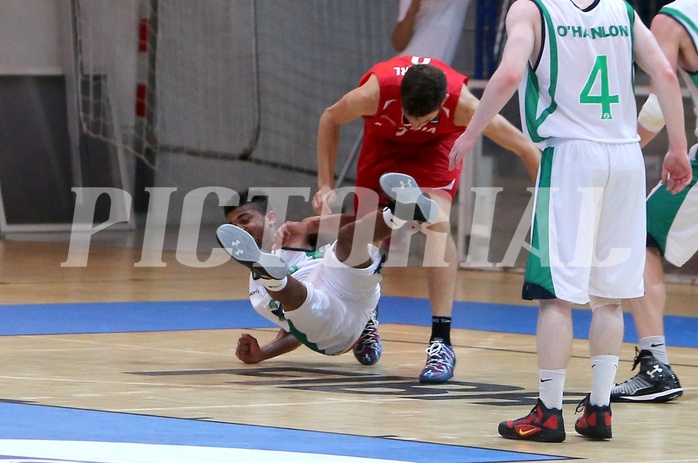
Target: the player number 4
pixel 604 98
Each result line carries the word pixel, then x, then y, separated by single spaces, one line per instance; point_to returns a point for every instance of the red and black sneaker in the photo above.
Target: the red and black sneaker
pixel 595 422
pixel 541 425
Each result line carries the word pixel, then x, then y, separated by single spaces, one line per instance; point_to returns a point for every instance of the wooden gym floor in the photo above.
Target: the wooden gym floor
pixel 117 363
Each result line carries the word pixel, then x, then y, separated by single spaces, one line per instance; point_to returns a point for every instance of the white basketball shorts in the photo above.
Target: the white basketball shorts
pixel 588 233
pixel 340 301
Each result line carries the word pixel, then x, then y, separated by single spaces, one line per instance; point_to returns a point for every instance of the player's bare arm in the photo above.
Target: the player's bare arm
pixel 467 104
pixel 404 30
pixel 324 227
pixel 361 101
pixel 675 43
pixel 503 133
pixel 249 351
pixel 676 170
pixel 679 50
pixel 521 26
pixel 500 131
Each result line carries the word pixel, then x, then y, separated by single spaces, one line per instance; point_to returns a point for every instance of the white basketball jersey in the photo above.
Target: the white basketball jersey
pixel 582 85
pixel 686 13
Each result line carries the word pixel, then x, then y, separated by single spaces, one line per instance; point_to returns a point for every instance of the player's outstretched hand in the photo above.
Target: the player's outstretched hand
pixel 676 171
pixel 463 145
pixel 248 349
pixel 323 199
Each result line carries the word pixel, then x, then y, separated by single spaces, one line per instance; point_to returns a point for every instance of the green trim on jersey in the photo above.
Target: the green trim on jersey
pixel 303 338
pixel 631 19
pixel 533 120
pixel 315 254
pixel 538 267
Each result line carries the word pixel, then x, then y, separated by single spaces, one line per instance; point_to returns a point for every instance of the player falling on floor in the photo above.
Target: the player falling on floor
pixel 323 298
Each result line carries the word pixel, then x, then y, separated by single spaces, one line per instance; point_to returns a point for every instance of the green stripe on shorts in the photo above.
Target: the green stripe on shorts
pixel 662 208
pixel 538 271
pixel 303 338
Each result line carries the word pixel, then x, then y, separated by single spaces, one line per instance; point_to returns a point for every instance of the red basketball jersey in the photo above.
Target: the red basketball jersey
pixel 389 123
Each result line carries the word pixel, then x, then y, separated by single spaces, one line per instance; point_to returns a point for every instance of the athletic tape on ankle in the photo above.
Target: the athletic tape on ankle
pixel 275 285
pixel 392 221
pixel 651 116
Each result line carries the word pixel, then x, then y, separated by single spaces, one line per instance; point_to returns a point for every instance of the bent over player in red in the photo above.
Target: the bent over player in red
pixel 414 108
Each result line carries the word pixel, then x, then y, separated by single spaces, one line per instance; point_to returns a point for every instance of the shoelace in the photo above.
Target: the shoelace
pixel 438 354
pixel 534 410
pixel 369 336
pixel 582 404
pixel 636 360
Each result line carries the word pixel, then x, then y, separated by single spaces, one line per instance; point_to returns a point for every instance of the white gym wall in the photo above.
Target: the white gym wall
pixel 32 42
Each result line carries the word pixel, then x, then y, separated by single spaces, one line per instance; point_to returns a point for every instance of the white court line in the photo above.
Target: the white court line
pixel 115 452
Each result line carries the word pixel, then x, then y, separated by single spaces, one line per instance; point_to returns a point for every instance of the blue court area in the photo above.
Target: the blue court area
pixel 120 317
pixel 38 433
pixel 41 423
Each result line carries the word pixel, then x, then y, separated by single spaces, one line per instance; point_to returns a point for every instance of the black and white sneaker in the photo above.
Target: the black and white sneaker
pixel 243 248
pixel 409 201
pixel 655 382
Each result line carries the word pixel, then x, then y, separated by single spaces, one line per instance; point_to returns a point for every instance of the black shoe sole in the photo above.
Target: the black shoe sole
pixel 542 436
pixel 411 203
pixel 243 248
pixel 595 433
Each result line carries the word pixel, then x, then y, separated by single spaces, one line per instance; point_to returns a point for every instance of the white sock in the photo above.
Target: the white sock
pixel 551 386
pixel 392 221
pixel 274 285
pixel 603 378
pixel 656 345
